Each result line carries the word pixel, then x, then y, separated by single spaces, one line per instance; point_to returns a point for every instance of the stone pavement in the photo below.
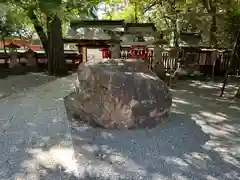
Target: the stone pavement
pixel 200 141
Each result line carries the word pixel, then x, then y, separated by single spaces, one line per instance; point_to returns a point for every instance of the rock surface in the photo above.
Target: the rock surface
pixel 120 94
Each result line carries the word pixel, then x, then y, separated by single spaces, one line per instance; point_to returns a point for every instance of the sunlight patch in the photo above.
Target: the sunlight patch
pixel 53 158
pixel 180 101
pixel 198 159
pixel 212 117
pixel 234 107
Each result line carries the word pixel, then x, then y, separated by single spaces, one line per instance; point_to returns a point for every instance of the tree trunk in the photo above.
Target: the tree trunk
pixel 50 56
pixel 211 7
pixel 135 12
pixel 212 38
pixel 176 39
pixel 56 61
pixel 39 29
pixel 4 45
pixel 213 29
pixel 235 47
pixel 5 50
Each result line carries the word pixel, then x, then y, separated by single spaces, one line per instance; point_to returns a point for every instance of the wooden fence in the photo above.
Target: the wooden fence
pixel 190 58
pixel 169 63
pixel 73 59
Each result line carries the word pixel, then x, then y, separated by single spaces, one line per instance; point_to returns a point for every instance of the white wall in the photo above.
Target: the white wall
pixel 94 54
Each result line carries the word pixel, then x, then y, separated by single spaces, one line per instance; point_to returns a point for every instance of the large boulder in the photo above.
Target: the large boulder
pixel 120 94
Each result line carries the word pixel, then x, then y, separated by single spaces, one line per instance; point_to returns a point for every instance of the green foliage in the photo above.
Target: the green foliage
pixel 67 10
pixel 168 15
pixel 49 6
pixel 185 15
pixel 13 21
pixel 5 29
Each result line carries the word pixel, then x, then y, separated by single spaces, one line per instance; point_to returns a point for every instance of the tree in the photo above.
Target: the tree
pixel 211 7
pixel 233 28
pixel 7 27
pixel 40 12
pixel 47 17
pixel 5 31
pixel 54 11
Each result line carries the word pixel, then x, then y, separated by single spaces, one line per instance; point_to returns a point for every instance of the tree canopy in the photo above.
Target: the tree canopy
pixel 49 19
pixel 215 20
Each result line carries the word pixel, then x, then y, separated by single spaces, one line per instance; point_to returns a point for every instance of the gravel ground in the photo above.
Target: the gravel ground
pixel 39 141
pixel 21 82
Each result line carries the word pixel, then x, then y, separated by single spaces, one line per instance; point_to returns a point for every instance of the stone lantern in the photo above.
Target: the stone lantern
pixel 30 57
pixel 157 63
pixel 13 54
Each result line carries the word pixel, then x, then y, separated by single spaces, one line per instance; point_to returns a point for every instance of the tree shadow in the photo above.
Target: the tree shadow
pixel 16 83
pixel 218 117
pixel 166 151
pixel 199 141
pixel 48 173
pixel 20 83
pixel 18 70
pixel 35 132
pixel 207 89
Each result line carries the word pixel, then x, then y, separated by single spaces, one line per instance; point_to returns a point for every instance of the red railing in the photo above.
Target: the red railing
pixel 138 52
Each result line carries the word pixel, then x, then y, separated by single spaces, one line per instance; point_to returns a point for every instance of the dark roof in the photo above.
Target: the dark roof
pixel 160 42
pixel 94 46
pixel 88 41
pixel 190 34
pixel 191 48
pixel 127 25
pixel 96 23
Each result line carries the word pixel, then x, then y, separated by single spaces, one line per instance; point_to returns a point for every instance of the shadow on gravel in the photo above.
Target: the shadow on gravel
pixel 186 147
pixel 20 83
pixel 172 150
pixel 23 79
pixel 19 70
pixel 200 141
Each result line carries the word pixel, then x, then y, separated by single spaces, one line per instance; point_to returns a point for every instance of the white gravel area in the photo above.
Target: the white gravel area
pixel 39 141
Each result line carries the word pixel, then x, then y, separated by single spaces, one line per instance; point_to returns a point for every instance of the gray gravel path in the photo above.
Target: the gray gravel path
pixel 33 127
pixel 39 141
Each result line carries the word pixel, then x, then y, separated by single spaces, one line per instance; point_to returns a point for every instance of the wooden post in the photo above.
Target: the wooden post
pixel 80 53
pixel 115 51
pixel 84 54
